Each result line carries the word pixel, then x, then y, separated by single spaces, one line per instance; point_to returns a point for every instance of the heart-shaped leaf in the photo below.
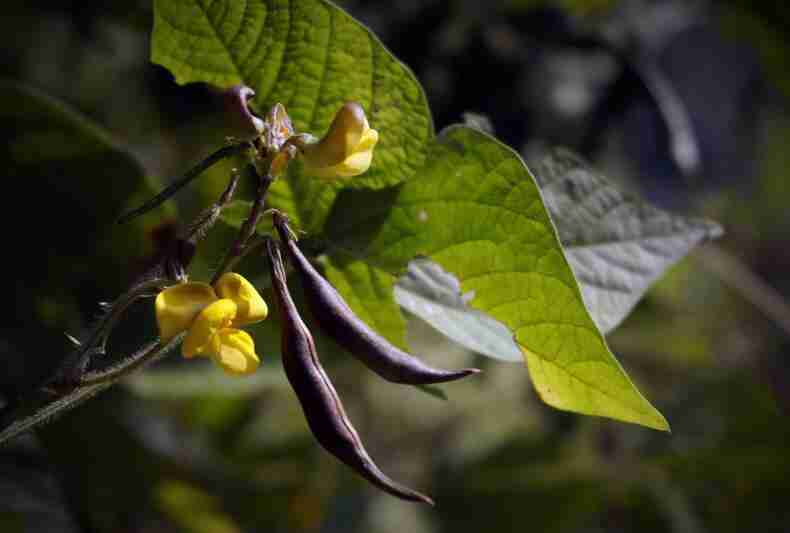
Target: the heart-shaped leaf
pixel 477 212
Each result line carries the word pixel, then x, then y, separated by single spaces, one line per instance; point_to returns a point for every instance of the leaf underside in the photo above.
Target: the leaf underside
pixel 617 245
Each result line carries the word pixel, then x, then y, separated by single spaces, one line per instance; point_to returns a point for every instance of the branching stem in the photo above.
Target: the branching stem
pixel 240 247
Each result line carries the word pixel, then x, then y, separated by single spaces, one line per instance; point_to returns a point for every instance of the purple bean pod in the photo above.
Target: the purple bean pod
pixel 322 407
pixel 338 321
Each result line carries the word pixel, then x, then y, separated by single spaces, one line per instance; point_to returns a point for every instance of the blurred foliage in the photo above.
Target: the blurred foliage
pixel 142 459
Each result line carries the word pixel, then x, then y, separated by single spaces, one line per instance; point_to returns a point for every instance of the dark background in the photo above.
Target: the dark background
pixel 189 450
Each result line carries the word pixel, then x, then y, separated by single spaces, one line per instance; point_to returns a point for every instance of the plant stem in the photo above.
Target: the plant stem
pixel 128 364
pixel 191 174
pixel 240 246
pixel 206 219
pixel 74 364
pixel 43 405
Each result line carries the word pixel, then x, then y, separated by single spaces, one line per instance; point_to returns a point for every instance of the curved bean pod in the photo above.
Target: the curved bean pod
pixel 322 407
pixel 339 322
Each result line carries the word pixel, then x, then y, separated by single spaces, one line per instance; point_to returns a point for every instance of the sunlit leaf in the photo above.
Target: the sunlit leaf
pixel 478 213
pixel 617 245
pixel 312 57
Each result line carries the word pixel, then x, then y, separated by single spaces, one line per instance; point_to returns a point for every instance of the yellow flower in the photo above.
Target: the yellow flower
pixel 211 315
pixel 211 334
pixel 177 307
pixel 251 307
pixel 347 148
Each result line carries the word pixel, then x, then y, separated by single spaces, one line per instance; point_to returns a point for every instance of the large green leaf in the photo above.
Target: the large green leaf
pixel 478 213
pixel 310 56
pixel 617 245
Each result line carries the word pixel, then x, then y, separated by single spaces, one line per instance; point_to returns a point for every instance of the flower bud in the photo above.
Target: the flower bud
pixel 244 122
pixel 347 148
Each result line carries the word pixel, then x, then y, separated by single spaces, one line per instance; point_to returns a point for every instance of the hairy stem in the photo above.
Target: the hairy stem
pixel 47 403
pixel 75 364
pixel 128 364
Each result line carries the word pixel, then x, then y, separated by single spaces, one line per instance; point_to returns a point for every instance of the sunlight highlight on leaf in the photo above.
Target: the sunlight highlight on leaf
pixel 478 213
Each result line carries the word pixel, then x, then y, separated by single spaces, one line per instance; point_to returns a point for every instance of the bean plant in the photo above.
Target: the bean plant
pixel 353 189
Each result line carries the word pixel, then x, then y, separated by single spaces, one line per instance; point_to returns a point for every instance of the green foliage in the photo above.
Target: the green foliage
pixel 184 447
pixel 551 261
pixel 478 213
pixel 472 206
pixel 616 244
pixel 312 57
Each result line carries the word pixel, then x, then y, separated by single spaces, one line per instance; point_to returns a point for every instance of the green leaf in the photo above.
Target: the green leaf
pixel 310 56
pixel 478 213
pixel 617 245
pixel 368 291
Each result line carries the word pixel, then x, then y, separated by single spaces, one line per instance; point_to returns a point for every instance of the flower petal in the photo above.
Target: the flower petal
pixel 202 337
pixel 347 148
pixel 177 306
pixel 236 353
pixel 251 307
pixel 368 140
pixel 354 165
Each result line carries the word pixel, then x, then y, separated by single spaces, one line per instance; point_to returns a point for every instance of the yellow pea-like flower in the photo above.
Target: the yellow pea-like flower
pixel 251 307
pixel 210 315
pixel 177 307
pixel 211 335
pixel 236 354
pixel 201 338
pixel 347 148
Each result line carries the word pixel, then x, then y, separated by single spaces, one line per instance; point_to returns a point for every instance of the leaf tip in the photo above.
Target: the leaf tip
pixel 658 422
